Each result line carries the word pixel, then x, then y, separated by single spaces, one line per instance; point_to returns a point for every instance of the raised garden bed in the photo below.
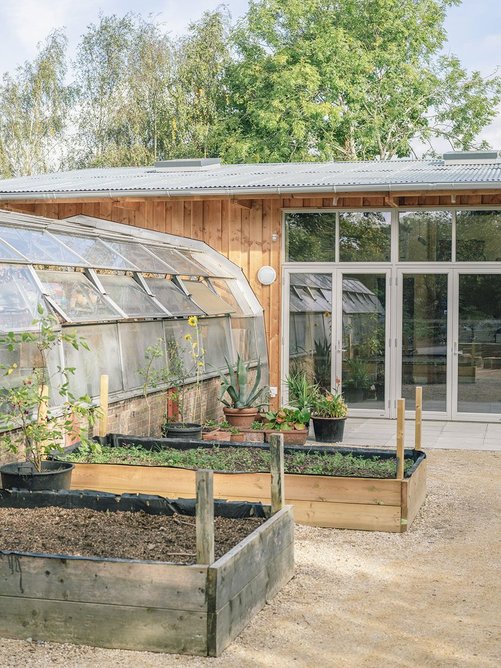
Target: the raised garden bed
pixel 337 501
pixel 153 604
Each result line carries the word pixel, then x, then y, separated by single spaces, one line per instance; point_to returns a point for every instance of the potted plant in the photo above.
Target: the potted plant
pixel 291 422
pixel 240 395
pixel 29 426
pixel 358 381
pixel 329 415
pixel 179 377
pixel 302 392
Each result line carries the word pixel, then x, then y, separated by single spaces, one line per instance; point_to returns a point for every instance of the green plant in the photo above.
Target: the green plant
pixel 242 392
pixel 234 430
pixel 302 392
pixel 358 376
pixel 153 376
pixel 287 419
pixel 257 425
pixel 322 362
pixel 329 404
pixel 28 424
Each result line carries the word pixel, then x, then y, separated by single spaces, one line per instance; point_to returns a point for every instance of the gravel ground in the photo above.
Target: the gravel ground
pixel 429 597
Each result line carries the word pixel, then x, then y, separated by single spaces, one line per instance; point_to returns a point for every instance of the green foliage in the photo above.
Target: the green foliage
pixel 248 459
pixel 302 393
pixel 28 424
pixel 242 392
pixel 357 79
pixel 287 419
pixel 329 404
pixel 358 375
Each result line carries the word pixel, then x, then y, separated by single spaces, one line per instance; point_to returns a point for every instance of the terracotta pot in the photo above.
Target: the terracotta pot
pixel 293 437
pixel 240 417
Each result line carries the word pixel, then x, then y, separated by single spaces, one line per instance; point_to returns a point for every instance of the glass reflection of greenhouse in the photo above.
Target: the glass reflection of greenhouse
pixel 123 289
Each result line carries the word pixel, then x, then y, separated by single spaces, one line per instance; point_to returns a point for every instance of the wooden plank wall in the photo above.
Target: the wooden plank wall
pixel 248 232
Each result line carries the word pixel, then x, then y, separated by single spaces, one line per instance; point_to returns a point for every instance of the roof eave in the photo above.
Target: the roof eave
pixel 246 192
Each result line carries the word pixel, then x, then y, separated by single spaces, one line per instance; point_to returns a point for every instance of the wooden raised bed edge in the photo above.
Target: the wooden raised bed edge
pixel 141 605
pixel 370 504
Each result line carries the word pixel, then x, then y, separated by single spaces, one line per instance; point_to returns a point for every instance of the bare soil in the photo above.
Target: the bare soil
pixel 428 598
pixel 122 535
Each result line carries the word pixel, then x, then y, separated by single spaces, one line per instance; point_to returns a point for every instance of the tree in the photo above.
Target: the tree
pixel 123 80
pixel 348 80
pixel 33 107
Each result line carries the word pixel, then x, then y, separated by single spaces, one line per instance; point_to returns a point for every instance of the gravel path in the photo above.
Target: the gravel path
pixel 427 598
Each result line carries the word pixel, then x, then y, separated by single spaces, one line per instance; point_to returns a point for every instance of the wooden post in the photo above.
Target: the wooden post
pixel 277 472
pixel 419 418
pixel 400 438
pixel 103 403
pixel 205 516
pixel 43 408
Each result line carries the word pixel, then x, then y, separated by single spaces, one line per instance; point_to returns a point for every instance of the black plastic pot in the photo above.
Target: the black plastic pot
pixel 23 475
pixel 328 430
pixel 189 430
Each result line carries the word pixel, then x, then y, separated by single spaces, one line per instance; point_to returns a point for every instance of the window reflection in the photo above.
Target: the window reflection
pixel 365 236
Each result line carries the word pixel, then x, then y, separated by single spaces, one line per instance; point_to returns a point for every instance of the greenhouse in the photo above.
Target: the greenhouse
pixel 122 289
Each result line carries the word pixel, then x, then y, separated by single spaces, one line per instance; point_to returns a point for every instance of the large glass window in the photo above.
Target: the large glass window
pixel 244 338
pixel 130 297
pixel 478 236
pixel 77 297
pixel 94 252
pixel 425 236
pixel 19 298
pixel 310 237
pixel 365 236
pixel 216 340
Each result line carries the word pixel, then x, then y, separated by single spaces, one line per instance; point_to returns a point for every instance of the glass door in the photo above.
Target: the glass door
pixel 363 325
pixel 336 326
pixel 477 346
pixel 424 353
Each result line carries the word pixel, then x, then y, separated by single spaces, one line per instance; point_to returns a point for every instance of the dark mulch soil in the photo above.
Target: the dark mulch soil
pixel 125 535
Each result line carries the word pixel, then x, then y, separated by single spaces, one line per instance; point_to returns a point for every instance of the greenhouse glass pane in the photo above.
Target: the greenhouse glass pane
pixel 212 265
pixel 244 338
pixel 77 297
pixel 19 298
pixel 139 256
pixel 130 297
pixel 232 294
pixel 209 302
pixel 38 246
pixel 95 252
pixel 215 334
pixel 7 253
pixel 178 346
pixel 170 296
pixel 179 262
pixel 26 358
pixel 135 338
pixel 103 357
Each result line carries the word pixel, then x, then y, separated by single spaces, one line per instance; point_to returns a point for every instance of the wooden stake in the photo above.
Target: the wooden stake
pixel 103 403
pixel 43 409
pixel 205 516
pixel 277 472
pixel 419 418
pixel 400 438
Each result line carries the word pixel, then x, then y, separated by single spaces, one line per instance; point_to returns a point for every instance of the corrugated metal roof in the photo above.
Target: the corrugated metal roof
pixel 248 179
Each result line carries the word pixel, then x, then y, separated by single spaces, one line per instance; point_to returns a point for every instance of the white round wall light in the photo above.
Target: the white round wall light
pixel 266 275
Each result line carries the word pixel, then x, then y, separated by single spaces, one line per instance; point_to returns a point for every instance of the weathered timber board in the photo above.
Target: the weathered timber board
pixel 244 579
pixel 416 492
pixel 117 626
pixel 87 580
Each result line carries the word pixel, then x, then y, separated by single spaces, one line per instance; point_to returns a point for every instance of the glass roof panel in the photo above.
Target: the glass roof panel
pixel 130 297
pixel 94 251
pixel 232 294
pixel 7 253
pixel 209 302
pixel 38 246
pixel 139 256
pixel 77 296
pixel 213 266
pixel 19 298
pixel 179 262
pixel 170 296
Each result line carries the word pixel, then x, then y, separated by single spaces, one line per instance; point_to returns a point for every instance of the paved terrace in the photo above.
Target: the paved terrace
pixel 435 434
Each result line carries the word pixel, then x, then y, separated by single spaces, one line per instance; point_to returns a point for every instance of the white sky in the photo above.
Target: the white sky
pixel 474 28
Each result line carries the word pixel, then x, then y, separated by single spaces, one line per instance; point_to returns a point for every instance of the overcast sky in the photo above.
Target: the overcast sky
pixel 474 28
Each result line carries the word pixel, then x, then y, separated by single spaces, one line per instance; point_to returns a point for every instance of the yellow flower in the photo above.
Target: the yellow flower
pixel 193 321
pixel 187 337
